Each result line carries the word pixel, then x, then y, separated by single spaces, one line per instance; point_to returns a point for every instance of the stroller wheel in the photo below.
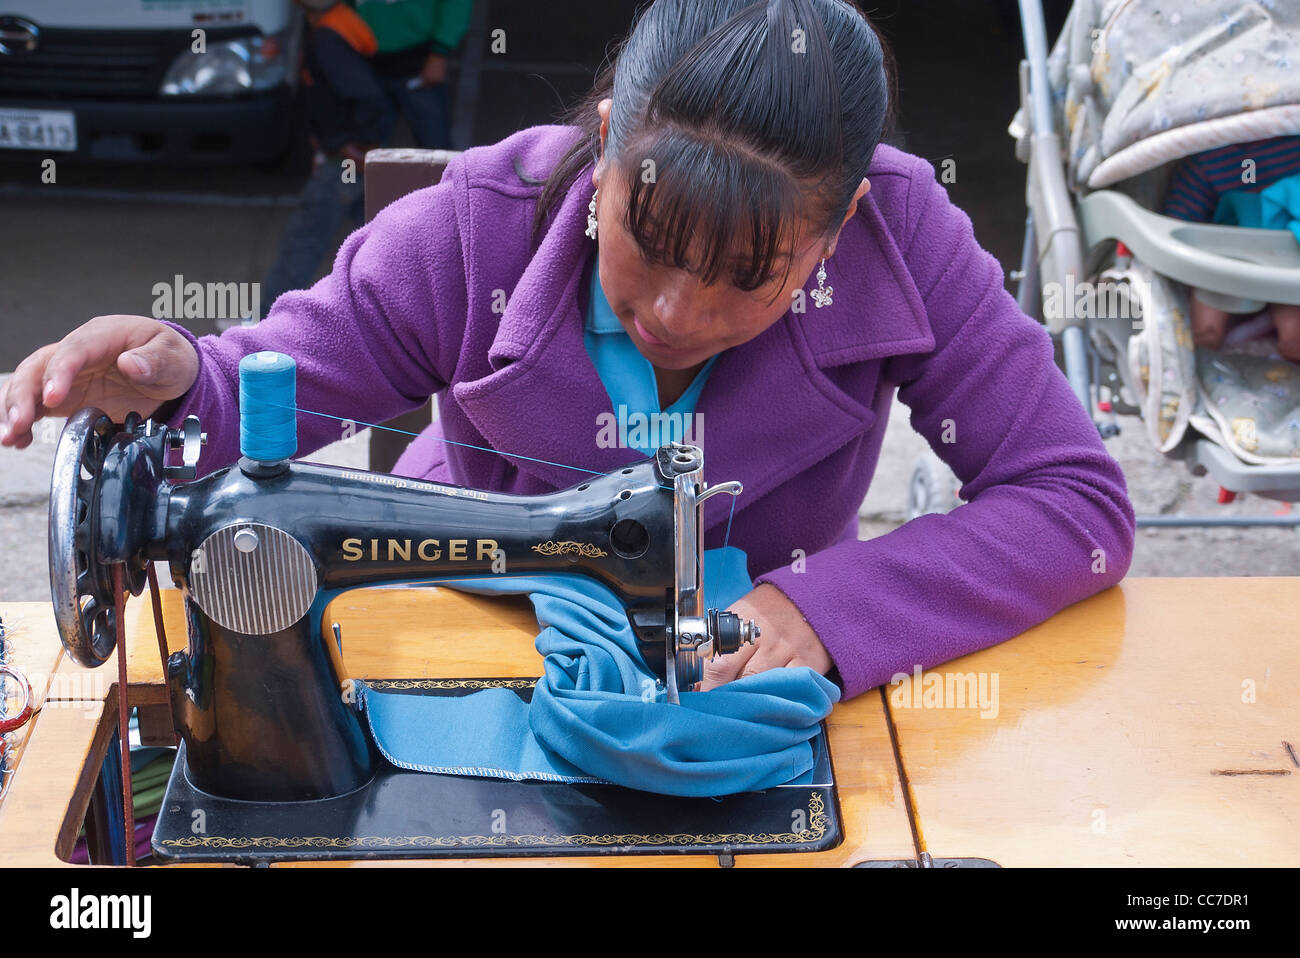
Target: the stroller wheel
pixel 933 489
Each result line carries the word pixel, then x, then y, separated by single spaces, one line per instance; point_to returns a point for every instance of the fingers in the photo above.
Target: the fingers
pixel 98 347
pixel 772 657
pixel 164 366
pixel 724 668
pixel 20 400
pixel 746 662
pixel 144 366
pixel 134 350
pixel 67 361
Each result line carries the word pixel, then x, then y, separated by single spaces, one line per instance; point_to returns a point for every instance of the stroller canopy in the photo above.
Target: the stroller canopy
pixel 1139 83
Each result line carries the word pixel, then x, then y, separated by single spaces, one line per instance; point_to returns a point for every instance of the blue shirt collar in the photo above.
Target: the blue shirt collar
pixel 601 317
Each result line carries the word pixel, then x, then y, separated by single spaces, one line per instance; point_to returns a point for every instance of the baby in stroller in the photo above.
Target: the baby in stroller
pixel 1144 114
pixel 1202 190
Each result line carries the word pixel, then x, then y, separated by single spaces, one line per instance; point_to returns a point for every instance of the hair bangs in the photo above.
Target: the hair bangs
pixel 807 85
pixel 704 206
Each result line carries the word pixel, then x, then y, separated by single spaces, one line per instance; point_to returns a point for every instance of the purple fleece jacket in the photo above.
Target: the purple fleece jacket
pixel 413 308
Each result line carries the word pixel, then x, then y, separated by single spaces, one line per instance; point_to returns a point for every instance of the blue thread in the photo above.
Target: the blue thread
pixel 268 429
pixel 467 445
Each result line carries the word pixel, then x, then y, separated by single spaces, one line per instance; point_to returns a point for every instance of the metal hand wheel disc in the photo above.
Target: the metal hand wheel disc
pixel 81 586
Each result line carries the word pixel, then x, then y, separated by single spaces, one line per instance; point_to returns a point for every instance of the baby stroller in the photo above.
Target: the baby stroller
pixel 1129 89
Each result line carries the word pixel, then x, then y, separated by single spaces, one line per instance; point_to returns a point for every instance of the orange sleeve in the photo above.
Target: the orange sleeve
pixel 344 21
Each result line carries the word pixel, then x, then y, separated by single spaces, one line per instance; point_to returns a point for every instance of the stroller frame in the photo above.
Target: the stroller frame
pixel 1064 245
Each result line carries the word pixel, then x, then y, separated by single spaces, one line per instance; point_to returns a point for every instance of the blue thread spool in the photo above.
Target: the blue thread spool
pixel 268 424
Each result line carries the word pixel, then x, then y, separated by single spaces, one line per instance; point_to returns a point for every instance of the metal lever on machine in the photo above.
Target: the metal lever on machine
pixel 733 488
pixel 695 634
pixel 188 439
pixel 727 630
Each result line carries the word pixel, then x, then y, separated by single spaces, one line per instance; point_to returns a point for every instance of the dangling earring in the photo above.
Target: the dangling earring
pixel 822 294
pixel 591 216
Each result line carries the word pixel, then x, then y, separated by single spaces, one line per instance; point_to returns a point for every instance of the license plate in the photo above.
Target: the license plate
pixel 38 130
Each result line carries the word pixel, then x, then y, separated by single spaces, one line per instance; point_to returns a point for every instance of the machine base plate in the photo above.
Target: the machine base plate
pixel 406 814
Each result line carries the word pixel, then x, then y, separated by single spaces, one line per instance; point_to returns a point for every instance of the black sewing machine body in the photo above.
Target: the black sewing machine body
pixel 259 697
pixel 256 614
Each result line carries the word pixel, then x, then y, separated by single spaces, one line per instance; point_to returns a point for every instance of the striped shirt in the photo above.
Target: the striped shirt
pixel 1201 179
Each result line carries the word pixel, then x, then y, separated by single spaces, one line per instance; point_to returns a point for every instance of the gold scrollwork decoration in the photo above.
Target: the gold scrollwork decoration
pixel 815 830
pixel 567 547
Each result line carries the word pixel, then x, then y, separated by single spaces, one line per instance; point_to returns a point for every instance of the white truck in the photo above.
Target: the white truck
pixel 174 82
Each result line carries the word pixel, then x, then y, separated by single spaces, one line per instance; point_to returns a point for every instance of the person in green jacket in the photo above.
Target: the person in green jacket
pixel 415 38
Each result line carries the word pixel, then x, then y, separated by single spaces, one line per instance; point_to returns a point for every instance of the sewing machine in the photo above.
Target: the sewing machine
pixel 271 739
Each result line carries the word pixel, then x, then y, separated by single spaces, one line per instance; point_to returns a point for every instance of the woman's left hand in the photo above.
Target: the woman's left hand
pixel 784 639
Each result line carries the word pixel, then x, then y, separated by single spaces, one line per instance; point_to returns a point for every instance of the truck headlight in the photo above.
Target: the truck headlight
pixel 231 66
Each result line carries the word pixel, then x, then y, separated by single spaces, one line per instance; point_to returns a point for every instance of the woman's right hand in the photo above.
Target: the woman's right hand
pixel 117 363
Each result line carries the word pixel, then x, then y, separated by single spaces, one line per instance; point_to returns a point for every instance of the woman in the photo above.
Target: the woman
pixel 778 272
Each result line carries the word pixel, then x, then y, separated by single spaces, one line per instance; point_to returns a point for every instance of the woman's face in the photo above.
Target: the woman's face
pixel 675 320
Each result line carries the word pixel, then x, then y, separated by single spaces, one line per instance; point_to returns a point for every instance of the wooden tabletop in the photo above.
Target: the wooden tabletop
pixel 62 746
pixel 27 636
pixel 1156 723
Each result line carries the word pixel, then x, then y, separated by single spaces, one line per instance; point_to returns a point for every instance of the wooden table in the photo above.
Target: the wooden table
pixel 62 747
pixel 1155 724
pixel 27 636
pixel 1118 732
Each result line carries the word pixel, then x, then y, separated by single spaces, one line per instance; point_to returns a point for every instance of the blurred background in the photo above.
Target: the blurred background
pixel 128 158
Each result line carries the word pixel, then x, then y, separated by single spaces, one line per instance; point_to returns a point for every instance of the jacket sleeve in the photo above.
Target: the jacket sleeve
pixel 373 339
pixel 1047 520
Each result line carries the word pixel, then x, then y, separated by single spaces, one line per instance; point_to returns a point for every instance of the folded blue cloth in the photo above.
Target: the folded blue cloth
pixel 1276 207
pixel 599 715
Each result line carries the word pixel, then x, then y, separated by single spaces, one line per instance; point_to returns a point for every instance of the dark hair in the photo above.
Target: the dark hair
pixel 741 107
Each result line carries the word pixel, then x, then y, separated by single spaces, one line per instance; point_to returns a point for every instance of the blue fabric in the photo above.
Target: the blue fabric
pixel 598 713
pixel 629 377
pixel 1276 207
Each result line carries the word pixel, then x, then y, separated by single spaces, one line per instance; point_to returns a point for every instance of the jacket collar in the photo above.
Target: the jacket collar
pixel 541 406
